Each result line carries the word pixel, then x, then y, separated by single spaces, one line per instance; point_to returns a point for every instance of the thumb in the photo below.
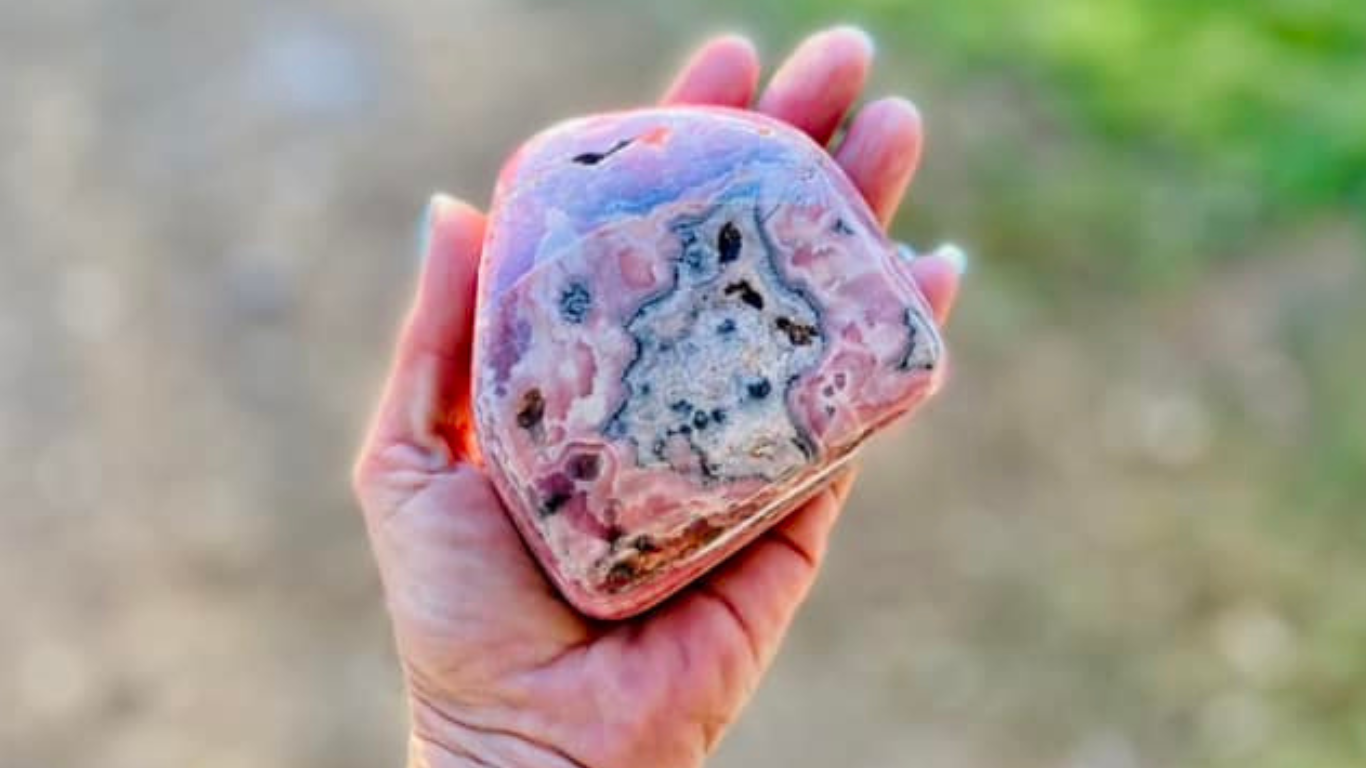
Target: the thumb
pixel 425 406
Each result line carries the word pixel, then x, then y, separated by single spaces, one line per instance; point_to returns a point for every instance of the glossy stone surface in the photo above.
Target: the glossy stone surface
pixel 688 319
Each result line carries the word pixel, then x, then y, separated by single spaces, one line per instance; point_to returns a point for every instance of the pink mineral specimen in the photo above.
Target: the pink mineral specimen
pixel 688 320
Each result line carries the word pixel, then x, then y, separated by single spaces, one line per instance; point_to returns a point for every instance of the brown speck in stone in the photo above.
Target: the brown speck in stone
pixel 556 491
pixel 728 243
pixel 531 410
pixel 620 575
pixel 842 228
pixel 747 294
pixel 700 532
pixel 644 544
pixel 800 334
pixel 554 502
pixel 584 466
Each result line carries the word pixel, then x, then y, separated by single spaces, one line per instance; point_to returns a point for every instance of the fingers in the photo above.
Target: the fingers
pixel 880 153
pixel 814 89
pixel 426 400
pixel 939 274
pixel 757 595
pixel 818 83
pixel 724 72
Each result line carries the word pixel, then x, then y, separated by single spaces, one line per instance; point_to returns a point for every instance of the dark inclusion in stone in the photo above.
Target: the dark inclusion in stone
pixel 715 353
pixel 593 158
pixel 759 389
pixel 584 466
pixel 728 243
pixel 622 575
pixel 556 491
pixel 746 293
pixel 531 409
pixel 554 502
pixel 922 346
pixel 798 333
pixel 695 256
pixel 575 302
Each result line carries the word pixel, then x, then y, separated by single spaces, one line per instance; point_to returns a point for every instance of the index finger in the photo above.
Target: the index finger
pixel 723 72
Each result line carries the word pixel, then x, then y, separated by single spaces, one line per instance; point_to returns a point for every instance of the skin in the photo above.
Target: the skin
pixel 499 670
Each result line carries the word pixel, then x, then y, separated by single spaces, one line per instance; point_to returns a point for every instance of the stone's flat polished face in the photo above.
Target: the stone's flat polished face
pixel 688 319
pixel 706 392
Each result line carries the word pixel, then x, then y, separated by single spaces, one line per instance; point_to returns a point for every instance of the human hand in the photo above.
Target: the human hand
pixel 499 670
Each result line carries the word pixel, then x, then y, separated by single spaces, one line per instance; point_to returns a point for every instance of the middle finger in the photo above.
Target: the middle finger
pixel 818 83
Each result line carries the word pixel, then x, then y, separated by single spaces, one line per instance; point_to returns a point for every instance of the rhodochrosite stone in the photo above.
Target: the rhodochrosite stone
pixel 688 319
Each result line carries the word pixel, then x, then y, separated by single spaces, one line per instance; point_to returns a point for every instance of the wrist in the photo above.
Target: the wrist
pixel 448 744
pixel 427 754
pixel 424 752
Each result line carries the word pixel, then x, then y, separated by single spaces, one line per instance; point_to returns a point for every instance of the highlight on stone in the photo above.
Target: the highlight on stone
pixel 688 320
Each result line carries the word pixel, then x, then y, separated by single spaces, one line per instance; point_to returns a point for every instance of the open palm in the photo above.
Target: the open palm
pixel 500 671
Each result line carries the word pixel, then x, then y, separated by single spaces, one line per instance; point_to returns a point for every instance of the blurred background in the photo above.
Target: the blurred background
pixel 1131 534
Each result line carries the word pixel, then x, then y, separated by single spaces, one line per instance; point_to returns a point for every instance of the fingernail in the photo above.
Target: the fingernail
pixel 862 34
pixel 955 256
pixel 429 214
pixel 424 230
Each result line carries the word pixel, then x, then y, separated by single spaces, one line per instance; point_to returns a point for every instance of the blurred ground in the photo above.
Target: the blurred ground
pixel 1129 535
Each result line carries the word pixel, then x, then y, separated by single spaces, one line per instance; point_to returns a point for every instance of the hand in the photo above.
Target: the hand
pixel 498 669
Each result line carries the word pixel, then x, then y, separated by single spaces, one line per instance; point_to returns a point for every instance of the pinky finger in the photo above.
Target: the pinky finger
pixel 724 72
pixel 938 275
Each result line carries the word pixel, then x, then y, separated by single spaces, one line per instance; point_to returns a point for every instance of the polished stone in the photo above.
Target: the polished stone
pixel 688 319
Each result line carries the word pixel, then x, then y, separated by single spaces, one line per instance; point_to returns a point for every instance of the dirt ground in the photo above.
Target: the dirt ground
pixel 207 214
